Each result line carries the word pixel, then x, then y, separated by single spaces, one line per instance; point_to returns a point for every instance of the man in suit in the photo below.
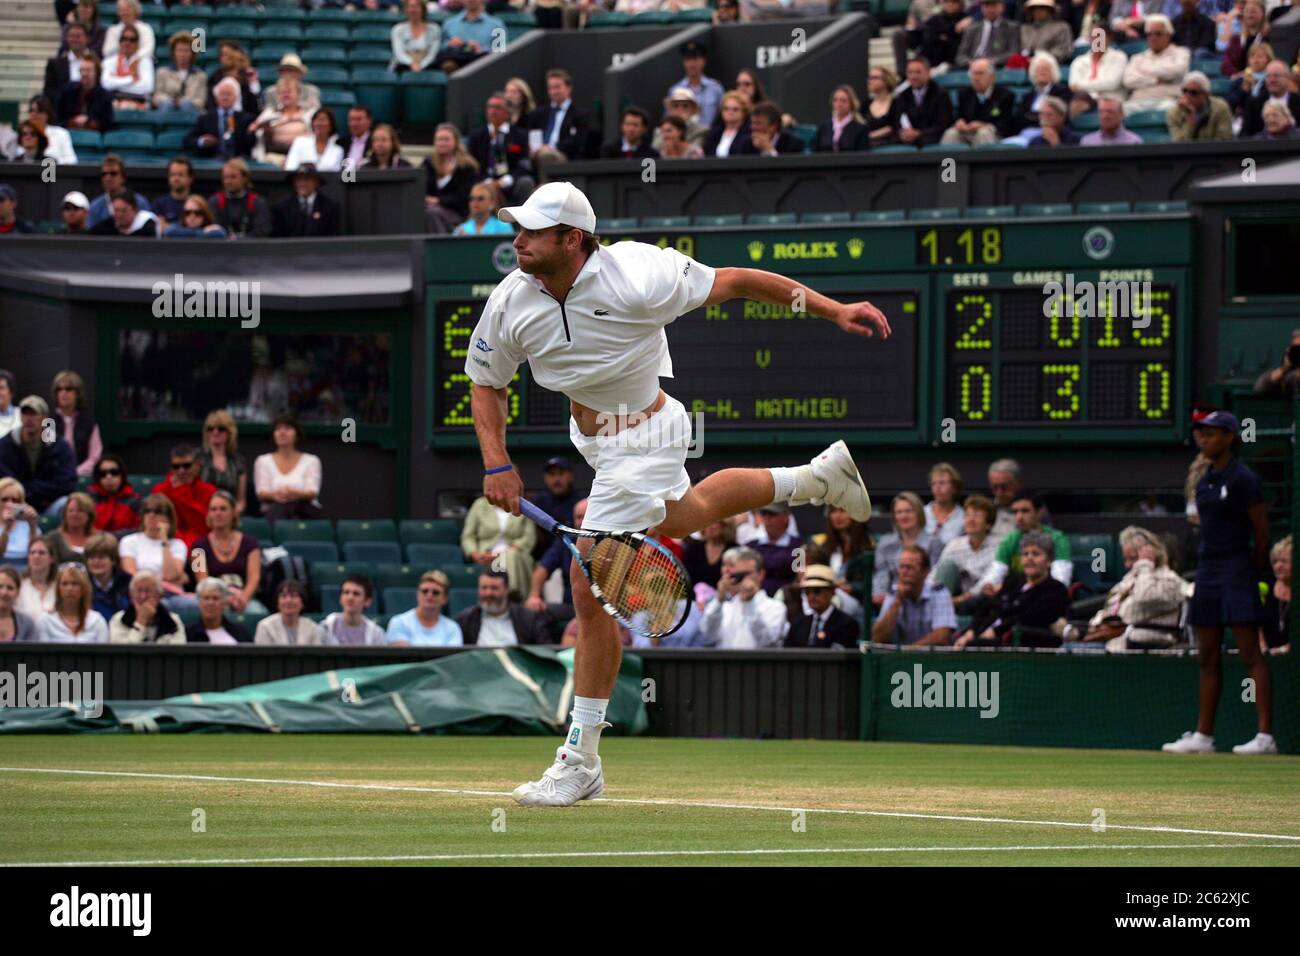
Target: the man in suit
pixel 1276 76
pixel 923 110
pixel 502 151
pixel 994 37
pixel 986 113
pixel 766 138
pixel 494 621
pixel 84 104
pixel 64 69
pixel 308 212
pixel 561 128
pixel 355 143
pixel 635 125
pixel 825 625
pixel 223 130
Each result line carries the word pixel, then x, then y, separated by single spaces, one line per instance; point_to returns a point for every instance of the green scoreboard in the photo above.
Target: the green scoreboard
pixel 1051 330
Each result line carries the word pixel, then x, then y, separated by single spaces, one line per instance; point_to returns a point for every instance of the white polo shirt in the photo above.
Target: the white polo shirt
pixel 600 360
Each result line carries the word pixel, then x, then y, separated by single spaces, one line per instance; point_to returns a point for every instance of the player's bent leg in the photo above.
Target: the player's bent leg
pixel 831 477
pixel 577 773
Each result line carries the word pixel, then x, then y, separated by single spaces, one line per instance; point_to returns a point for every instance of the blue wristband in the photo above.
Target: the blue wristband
pixel 497 470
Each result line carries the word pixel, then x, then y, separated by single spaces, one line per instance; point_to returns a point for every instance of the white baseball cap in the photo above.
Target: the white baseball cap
pixel 77 199
pixel 552 205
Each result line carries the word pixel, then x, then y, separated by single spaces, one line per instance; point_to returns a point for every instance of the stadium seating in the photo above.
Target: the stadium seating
pixel 313 551
pixel 665 222
pixel 1161 205
pixel 424 96
pixel 461 599
pixel 988 212
pixel 945 212
pixel 382 529
pixel 461 575
pixel 879 215
pixel 374 552
pixel 718 220
pixel 1083 545
pixel 308 530
pixel 378 90
pixel 433 555
pixel 1047 209
pixel 419 531
pixel 771 219
pixel 613 225
pixel 1103 208
pixel 397 575
pixel 397 600
pixel 826 218
pixel 327 572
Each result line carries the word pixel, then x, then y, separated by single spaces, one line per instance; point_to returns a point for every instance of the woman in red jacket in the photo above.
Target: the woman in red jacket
pixel 117 506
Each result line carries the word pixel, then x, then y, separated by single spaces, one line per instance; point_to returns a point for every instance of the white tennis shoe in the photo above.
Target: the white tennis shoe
pixel 842 482
pixel 574 776
pixel 1260 744
pixel 1191 743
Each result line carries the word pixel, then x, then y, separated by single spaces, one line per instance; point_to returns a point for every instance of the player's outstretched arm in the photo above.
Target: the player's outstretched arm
pixel 858 318
pixel 488 407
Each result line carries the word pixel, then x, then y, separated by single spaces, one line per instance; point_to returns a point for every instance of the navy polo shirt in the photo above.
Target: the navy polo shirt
pixel 1222 500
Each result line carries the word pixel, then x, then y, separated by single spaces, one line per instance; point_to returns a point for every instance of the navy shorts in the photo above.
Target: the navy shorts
pixel 1227 592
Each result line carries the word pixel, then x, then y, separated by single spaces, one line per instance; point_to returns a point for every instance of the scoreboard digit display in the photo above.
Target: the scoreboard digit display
pixel 1082 353
pixel 738 365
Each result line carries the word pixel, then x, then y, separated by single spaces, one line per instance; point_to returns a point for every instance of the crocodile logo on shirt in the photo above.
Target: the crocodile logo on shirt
pixel 602 311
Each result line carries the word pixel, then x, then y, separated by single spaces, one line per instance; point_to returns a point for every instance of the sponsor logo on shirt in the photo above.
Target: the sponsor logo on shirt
pixel 482 345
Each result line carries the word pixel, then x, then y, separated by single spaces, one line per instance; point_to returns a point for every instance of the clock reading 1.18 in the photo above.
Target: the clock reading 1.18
pixel 1009 363
pixel 959 246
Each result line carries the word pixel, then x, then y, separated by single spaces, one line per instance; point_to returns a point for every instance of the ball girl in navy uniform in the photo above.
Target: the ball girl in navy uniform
pixel 1233 560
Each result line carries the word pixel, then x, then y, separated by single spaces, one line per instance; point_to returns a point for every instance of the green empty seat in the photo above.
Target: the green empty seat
pixel 338 16
pixel 259 528
pixel 703 15
pixel 608 225
pixel 1086 122
pixel 373 54
pixel 378 90
pixel 269 73
pixel 316 529
pixel 399 600
pixel 1222 85
pixel 372 552
pixel 176 119
pixel 329 595
pixel 378 529
pixel 1154 135
pixel 1146 119
pixel 339 75
pixel 989 212
pixel 428 531
pixel 86 139
pixel 1046 209
pixel 324 53
pixel 233 12
pixel 771 219
pixel 397 575
pixel 288 14
pixel 461 599
pixel 372 33
pixel 1103 208
pixel 232 30
pixel 1211 68
pixel 327 32
pixel 879 215
pixel 339 102
pixel 665 222
pixel 47 523
pixel 279 31
pixel 463 575
pixel 124 139
pixel 1161 205
pixel 825 218
pixel 1011 78
pixel 719 220
pixel 606 21
pixel 895 148
pixel 1083 546
pixel 171 140
pixel 433 555
pixel 135 119
pixel 313 551
pixel 650 18
pixel 942 212
pixel 268 54
pixel 424 97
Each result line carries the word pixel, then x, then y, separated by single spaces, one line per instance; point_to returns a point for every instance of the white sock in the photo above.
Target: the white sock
pixel 784 480
pixel 588 717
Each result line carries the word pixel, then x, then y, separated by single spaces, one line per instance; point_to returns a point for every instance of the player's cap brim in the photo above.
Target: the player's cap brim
pixel 528 218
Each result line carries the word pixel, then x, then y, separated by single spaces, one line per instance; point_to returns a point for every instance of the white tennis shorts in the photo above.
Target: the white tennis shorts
pixel 637 469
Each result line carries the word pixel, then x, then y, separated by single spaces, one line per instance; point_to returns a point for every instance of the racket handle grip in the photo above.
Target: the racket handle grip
pixel 530 510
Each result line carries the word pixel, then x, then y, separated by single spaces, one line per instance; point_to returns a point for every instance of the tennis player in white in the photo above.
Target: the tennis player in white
pixel 589 320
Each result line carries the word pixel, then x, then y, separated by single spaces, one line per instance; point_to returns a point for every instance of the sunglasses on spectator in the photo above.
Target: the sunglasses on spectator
pixel 181 465
pixel 108 473
pixel 432 590
pixel 211 428
pixel 199 212
pixel 109 172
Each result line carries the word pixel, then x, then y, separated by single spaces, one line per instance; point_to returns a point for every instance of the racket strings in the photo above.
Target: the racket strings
pixel 641 582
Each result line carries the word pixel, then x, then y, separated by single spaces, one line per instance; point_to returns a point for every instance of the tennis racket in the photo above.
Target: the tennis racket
pixel 641 583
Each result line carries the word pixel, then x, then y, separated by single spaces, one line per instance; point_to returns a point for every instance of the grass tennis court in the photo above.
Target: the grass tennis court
pixel 435 801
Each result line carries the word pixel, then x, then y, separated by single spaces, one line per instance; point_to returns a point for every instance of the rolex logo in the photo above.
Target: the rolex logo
pixel 856 246
pixel 755 250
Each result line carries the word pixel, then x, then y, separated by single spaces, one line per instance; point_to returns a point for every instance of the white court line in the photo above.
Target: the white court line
pixel 702 805
pixel 585 854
